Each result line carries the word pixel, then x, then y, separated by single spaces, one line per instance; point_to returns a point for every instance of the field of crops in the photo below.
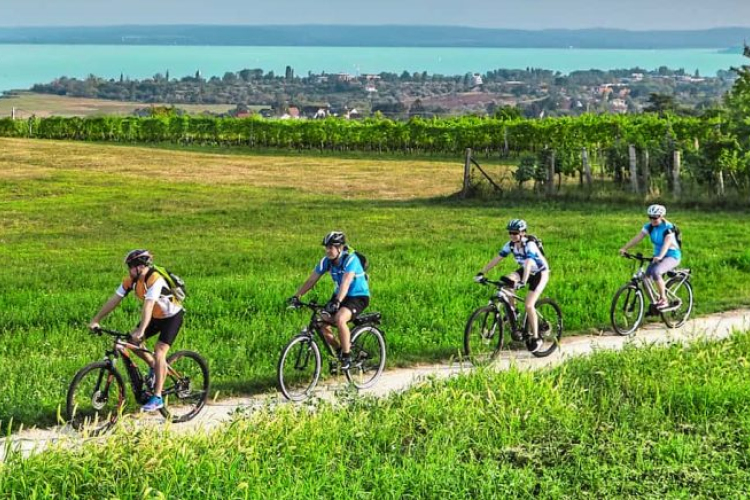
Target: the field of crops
pixel 648 423
pixel 244 232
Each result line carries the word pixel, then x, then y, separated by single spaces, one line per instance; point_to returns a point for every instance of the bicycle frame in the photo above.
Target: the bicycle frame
pixel 505 295
pixel 315 327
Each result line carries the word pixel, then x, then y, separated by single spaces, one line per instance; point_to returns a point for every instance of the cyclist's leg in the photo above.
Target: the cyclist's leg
pixel 656 273
pixel 170 328
pixel 537 283
pixel 152 329
pixel 350 308
pixel 515 277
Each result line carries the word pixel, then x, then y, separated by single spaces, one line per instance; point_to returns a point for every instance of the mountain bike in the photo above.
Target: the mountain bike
pixel 96 397
pixel 300 362
pixel 484 336
pixel 628 304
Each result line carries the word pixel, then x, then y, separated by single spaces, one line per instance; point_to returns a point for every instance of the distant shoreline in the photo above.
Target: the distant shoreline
pixel 727 39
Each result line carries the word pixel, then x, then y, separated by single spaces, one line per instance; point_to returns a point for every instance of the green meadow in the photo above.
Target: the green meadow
pixel 245 231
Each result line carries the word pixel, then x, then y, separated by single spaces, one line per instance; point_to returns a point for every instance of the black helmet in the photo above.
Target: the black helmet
pixel 139 257
pixel 516 225
pixel 334 238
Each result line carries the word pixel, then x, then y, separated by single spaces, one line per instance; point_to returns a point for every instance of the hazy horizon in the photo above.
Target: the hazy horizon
pixel 636 15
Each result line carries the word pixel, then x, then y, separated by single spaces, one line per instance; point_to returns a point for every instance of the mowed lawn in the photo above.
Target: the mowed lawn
pixel 245 231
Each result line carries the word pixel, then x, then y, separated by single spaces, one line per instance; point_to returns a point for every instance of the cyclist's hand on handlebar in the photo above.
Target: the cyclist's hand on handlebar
pixel 95 327
pixel 294 302
pixel 623 252
pixel 519 285
pixel 333 307
pixel 480 278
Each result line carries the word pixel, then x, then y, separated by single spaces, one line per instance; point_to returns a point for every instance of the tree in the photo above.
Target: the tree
pixel 660 103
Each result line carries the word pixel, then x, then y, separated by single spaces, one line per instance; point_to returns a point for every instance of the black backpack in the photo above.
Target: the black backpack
pixel 677 233
pixel 362 259
pixel 531 237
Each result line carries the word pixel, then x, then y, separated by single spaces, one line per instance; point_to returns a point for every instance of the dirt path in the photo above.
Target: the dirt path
pixel 715 326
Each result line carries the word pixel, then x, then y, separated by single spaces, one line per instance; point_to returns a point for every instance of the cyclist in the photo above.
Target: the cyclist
pixel 534 270
pixel 351 294
pixel 162 313
pixel 667 253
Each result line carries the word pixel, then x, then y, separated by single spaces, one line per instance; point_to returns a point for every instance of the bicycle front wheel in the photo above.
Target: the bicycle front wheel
pixel 185 387
pixel 483 336
pixel 95 398
pixel 299 368
pixel 626 312
pixel 550 325
pixel 368 357
pixel 680 297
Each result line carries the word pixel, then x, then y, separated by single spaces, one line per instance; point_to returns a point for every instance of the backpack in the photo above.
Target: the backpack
pixel 677 233
pixel 362 259
pixel 175 283
pixel 532 238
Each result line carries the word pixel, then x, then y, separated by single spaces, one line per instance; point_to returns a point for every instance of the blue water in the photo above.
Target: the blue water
pixel 23 65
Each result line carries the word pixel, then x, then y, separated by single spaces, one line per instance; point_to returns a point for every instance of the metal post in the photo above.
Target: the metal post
pixel 633 169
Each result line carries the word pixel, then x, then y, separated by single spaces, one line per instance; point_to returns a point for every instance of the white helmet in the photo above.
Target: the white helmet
pixel 657 211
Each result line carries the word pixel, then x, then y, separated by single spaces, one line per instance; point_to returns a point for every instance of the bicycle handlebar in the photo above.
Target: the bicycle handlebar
pixel 502 283
pixel 312 305
pixel 639 256
pixel 113 333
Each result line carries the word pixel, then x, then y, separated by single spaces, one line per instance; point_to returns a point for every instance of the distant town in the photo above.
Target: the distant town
pixel 530 92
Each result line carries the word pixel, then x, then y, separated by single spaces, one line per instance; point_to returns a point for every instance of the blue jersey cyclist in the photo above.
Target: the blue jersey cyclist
pixel 534 270
pixel 351 294
pixel 667 252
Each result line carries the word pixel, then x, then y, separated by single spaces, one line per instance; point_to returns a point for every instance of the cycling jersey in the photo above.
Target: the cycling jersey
pixel 529 250
pixel 658 235
pixel 156 289
pixel 348 263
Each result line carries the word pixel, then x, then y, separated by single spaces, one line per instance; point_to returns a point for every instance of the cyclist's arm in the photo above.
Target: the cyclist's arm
pixel 669 240
pixel 107 308
pixel 146 315
pixel 636 239
pixel 491 264
pixel 345 284
pixel 307 285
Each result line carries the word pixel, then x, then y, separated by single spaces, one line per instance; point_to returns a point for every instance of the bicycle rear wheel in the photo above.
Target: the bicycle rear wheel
pixel 550 324
pixel 299 368
pixel 368 357
pixel 95 398
pixel 626 312
pixel 483 336
pixel 680 296
pixel 185 387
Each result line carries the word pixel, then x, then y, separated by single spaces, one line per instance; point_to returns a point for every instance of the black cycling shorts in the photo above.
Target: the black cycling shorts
pixel 534 279
pixel 355 304
pixel 167 328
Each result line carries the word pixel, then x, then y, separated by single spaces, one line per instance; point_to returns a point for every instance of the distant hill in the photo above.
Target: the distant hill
pixel 375 36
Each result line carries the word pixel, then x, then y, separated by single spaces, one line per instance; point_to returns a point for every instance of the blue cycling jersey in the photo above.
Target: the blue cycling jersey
pixel 529 250
pixel 658 235
pixel 348 263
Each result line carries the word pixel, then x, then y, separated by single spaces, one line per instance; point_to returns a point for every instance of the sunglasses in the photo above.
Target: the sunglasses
pixel 655 218
pixel 513 233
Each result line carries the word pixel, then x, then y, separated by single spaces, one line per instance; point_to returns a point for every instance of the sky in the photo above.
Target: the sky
pixel 521 14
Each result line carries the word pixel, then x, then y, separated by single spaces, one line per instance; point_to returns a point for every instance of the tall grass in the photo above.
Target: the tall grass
pixel 68 221
pixel 655 423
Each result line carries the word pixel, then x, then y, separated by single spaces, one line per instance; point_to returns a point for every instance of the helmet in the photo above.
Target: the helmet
pixel 139 257
pixel 516 225
pixel 334 238
pixel 657 211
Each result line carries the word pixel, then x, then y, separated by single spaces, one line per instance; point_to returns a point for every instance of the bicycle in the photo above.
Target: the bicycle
pixel 96 397
pixel 627 310
pixel 484 334
pixel 300 362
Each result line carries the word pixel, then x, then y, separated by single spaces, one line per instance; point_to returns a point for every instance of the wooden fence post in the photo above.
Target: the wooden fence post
pixel 676 189
pixel 467 174
pixel 646 172
pixel 633 169
pixel 551 174
pixel 586 167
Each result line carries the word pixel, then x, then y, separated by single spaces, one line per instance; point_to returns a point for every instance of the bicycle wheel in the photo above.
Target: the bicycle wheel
pixel 550 324
pixel 368 357
pixel 626 312
pixel 680 296
pixel 299 368
pixel 95 398
pixel 483 336
pixel 185 387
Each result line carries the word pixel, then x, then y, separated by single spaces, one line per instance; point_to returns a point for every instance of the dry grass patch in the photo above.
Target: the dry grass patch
pixel 355 178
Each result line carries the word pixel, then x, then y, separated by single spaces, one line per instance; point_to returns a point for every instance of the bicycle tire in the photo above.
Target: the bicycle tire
pixel 96 420
pixel 186 395
pixel 678 317
pixel 368 352
pixel 633 303
pixel 482 346
pixel 550 325
pixel 297 386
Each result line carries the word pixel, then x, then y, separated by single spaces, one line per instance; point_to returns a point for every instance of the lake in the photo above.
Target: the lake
pixel 23 65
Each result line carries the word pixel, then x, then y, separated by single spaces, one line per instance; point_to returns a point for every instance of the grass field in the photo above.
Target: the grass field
pixel 43 105
pixel 651 423
pixel 245 231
